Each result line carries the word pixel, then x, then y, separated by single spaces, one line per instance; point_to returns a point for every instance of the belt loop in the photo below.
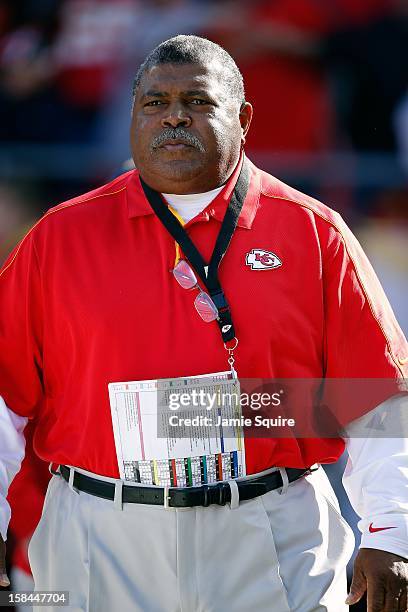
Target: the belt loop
pixel 166 497
pixel 206 494
pixel 56 472
pixel 71 480
pixel 117 500
pixel 234 494
pixel 285 480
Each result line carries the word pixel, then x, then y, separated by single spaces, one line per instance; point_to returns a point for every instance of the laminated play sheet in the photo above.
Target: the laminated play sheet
pixel 178 432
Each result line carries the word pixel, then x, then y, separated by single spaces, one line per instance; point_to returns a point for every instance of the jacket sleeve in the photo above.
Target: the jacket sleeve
pixel 27 492
pixel 365 351
pixel 21 327
pixel 376 477
pixel 21 385
pixel 12 444
pixel 366 359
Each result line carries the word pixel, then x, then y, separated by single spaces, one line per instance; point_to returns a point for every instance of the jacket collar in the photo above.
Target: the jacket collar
pixel 138 204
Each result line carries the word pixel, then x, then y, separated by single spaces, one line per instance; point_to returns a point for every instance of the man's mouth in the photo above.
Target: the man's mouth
pixel 175 144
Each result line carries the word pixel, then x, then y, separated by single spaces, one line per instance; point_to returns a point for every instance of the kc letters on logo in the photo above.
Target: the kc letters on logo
pixel 259 259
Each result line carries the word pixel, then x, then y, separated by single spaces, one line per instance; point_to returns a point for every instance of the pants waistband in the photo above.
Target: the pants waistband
pixel 218 493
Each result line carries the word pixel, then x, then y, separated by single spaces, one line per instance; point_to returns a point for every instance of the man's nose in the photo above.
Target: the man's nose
pixel 176 117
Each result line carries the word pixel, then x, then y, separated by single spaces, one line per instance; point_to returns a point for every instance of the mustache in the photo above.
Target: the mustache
pixel 178 133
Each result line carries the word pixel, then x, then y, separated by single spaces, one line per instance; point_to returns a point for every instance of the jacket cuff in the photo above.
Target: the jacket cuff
pixel 387 532
pixel 5 514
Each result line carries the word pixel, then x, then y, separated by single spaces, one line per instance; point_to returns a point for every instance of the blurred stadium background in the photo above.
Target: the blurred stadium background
pixel 328 80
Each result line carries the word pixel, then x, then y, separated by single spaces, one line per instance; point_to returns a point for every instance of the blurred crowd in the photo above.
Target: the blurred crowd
pixel 323 77
pixel 321 74
pixel 327 78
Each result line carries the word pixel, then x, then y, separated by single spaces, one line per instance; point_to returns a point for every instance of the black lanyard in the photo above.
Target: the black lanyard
pixel 210 280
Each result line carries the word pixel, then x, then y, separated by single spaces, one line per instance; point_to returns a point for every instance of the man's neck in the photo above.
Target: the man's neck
pixel 189 205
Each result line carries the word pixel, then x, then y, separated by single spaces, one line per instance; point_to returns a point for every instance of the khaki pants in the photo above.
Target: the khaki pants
pixel 279 552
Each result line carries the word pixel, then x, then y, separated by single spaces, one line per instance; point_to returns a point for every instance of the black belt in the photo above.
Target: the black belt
pixel 183 497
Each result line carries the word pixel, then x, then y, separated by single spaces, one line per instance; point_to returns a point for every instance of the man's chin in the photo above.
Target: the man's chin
pixel 178 168
pixel 175 175
pixel 185 155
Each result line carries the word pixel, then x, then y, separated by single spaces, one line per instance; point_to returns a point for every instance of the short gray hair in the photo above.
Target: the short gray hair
pixel 189 49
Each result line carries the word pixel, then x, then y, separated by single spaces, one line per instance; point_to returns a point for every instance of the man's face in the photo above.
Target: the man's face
pixel 186 130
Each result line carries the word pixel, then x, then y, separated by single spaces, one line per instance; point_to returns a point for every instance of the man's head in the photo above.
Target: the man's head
pixel 190 117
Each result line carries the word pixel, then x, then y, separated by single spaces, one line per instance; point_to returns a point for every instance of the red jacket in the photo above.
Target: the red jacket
pixel 89 298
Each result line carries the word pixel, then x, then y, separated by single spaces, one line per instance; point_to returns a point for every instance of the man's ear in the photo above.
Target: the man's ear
pixel 245 118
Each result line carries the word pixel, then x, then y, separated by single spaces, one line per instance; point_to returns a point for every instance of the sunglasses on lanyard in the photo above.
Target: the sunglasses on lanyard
pixel 204 305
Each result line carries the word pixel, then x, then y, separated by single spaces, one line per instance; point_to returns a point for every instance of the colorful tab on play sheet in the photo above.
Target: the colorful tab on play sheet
pixel 221 432
pixel 204 469
pixel 181 473
pixel 155 473
pixel 173 473
pixel 196 472
pixel 219 466
pixel 189 476
pixel 235 463
pixel 211 466
pixel 226 466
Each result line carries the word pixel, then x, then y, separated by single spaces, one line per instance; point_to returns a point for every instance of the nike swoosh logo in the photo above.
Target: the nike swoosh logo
pixel 372 529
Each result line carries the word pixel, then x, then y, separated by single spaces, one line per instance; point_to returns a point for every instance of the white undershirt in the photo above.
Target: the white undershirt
pixel 190 204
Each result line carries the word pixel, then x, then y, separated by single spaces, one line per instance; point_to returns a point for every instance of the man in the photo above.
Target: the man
pixel 90 298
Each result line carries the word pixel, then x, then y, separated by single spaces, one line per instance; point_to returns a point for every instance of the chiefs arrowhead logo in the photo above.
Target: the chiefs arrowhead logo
pixel 259 259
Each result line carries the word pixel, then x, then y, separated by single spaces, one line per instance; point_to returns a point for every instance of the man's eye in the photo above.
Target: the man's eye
pixel 154 103
pixel 199 101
